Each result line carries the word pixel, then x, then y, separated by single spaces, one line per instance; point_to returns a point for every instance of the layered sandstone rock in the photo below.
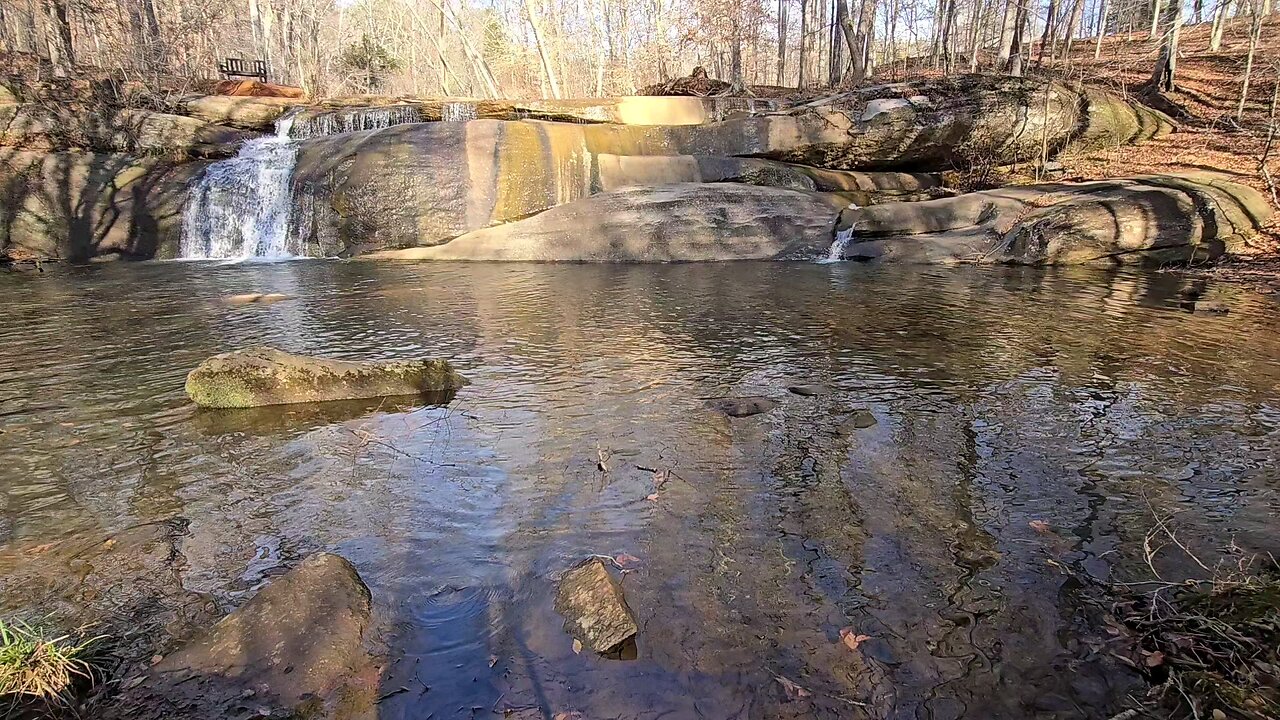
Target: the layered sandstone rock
pixel 46 127
pixel 684 222
pixel 1151 220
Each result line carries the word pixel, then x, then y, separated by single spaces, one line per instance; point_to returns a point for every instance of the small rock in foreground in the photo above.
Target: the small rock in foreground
pixel 267 376
pixel 742 407
pixel 594 608
pixel 860 420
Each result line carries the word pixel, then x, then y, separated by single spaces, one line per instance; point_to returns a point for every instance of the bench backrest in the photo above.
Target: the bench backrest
pixel 244 68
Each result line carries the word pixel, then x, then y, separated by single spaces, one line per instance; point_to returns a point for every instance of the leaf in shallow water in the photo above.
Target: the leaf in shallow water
pixel 625 560
pixel 851 639
pixel 1040 526
pixel 792 689
pixel 652 497
pixel 577 646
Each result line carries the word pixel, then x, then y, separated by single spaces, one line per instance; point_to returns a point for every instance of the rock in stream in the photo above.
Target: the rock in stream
pixel 595 610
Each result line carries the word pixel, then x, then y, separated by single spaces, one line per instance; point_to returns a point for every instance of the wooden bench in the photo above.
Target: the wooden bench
pixel 244 68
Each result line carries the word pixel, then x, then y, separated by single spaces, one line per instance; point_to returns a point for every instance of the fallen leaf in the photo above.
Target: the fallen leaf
pixel 851 639
pixel 1155 659
pixel 660 478
pixel 577 646
pixel 1040 526
pixel 792 689
pixel 652 497
pixel 625 560
pixel 493 660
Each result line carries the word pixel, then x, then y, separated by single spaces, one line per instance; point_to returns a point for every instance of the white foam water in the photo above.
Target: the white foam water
pixel 338 122
pixel 240 207
pixel 841 243
pixel 457 112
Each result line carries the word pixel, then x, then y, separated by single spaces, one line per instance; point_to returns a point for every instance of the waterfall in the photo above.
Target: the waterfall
pixel 841 243
pixel 457 112
pixel 338 122
pixel 240 207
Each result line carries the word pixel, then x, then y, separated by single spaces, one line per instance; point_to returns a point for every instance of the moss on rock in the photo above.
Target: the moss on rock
pixel 266 376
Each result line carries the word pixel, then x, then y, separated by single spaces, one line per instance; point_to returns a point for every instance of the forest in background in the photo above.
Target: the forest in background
pixel 584 48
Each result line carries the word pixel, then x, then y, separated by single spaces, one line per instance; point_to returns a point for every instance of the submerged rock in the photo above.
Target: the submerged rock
pixel 809 390
pixel 267 376
pixel 670 223
pixel 594 609
pixel 1149 220
pixel 743 406
pixel 297 641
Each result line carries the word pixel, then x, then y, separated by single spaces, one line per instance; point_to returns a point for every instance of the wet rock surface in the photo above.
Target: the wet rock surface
pixel 45 127
pixel 810 390
pixel 671 223
pixel 594 608
pixel 285 653
pixel 743 406
pixel 1149 220
pixel 266 376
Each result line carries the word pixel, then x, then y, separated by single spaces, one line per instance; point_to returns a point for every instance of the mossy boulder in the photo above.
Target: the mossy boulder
pixel 266 376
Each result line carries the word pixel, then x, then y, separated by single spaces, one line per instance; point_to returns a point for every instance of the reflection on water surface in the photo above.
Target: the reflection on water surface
pixel 1001 397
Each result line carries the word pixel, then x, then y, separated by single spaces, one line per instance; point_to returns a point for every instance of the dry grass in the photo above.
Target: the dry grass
pixel 43 671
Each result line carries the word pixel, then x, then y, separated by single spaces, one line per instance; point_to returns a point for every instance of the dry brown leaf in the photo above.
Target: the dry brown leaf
pixel 1155 659
pixel 1040 526
pixel 792 689
pixel 652 497
pixel 851 639
pixel 577 646
pixel 625 560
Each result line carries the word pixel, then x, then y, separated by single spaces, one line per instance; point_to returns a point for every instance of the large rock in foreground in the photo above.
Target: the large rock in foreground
pixel 684 222
pixel 1151 220
pixel 265 376
pixel 289 649
pixel 78 205
pixel 594 609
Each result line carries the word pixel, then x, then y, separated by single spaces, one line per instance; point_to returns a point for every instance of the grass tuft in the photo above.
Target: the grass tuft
pixel 38 669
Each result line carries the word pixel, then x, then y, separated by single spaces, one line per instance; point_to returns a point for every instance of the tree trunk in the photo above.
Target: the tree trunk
pixel 804 40
pixel 948 24
pixel 839 40
pixel 1049 29
pixel 1077 13
pixel 782 42
pixel 1006 32
pixel 1198 6
pixel 1102 29
pixel 1163 76
pixel 1014 64
pixel 1155 18
pixel 1219 23
pixel 57 36
pixel 1255 32
pixel 548 73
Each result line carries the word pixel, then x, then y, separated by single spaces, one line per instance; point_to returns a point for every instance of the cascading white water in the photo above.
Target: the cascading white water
pixel 841 243
pixel 338 122
pixel 457 112
pixel 240 207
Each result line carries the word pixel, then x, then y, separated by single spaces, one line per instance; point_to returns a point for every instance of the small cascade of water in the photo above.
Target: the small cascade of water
pixel 338 122
pixel 841 243
pixel 458 112
pixel 240 207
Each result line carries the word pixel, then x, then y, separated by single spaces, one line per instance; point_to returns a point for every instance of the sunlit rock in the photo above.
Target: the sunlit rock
pixel 265 376
pixel 48 127
pixel 669 223
pixel 296 644
pixel 1149 220
pixel 594 609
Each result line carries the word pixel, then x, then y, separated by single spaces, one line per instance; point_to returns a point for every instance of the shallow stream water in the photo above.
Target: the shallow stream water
pixel 1030 425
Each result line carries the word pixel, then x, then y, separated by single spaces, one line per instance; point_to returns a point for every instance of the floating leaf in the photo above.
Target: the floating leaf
pixel 1040 526
pixel 577 646
pixel 851 639
pixel 651 497
pixel 625 560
